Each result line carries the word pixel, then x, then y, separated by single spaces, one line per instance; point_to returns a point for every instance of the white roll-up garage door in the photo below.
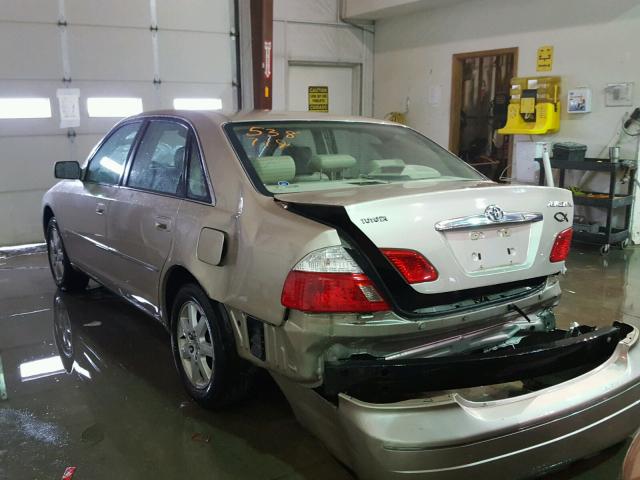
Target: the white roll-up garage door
pixel 152 50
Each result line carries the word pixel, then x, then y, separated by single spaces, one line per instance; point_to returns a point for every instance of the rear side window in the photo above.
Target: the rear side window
pixel 196 179
pixel 159 162
pixel 107 164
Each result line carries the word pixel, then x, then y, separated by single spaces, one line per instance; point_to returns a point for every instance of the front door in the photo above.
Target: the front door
pixel 142 216
pixel 85 231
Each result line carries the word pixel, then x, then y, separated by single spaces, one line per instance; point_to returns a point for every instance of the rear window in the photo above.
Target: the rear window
pixel 289 157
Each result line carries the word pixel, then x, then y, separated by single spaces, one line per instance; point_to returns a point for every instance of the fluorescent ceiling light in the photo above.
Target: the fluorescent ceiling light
pixel 25 108
pixel 113 106
pixel 197 104
pixel 43 367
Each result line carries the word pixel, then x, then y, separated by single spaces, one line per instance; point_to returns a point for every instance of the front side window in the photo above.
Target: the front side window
pixel 107 164
pixel 158 165
pixel 288 157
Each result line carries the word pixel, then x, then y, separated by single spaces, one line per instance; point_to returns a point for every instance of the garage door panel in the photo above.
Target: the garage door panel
pixel 110 50
pixel 224 92
pixel 30 51
pixel 29 11
pixel 199 57
pixel 30 126
pixel 143 90
pixel 198 15
pixel 110 53
pixel 20 216
pixel 124 13
pixel 32 159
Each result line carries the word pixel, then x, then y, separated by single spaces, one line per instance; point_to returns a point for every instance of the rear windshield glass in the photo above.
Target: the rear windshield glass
pixel 288 157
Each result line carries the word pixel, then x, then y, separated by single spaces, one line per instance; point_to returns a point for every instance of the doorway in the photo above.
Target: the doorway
pixel 479 99
pixel 342 82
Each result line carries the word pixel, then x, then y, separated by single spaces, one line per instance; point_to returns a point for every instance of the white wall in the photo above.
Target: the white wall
pixel 596 42
pixel 377 9
pixel 110 52
pixel 311 31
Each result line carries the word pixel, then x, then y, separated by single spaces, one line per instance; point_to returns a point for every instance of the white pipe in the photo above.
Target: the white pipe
pixel 546 161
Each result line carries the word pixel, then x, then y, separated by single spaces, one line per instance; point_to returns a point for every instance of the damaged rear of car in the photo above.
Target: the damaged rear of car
pixel 420 339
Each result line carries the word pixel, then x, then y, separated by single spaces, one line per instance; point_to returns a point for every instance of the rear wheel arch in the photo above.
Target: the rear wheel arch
pixel 175 278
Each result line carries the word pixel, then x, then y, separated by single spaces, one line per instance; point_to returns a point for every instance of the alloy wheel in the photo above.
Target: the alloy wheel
pixel 195 344
pixel 56 254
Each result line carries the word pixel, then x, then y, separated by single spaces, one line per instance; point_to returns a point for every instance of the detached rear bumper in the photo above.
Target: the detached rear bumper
pixel 453 437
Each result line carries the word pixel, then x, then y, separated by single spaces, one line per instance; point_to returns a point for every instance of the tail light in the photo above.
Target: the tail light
pixel 411 265
pixel 561 246
pixel 330 281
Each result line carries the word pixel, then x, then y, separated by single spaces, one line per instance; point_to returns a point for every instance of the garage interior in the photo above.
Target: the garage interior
pixel 71 69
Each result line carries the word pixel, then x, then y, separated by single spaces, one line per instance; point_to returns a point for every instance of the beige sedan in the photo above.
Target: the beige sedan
pixel 402 301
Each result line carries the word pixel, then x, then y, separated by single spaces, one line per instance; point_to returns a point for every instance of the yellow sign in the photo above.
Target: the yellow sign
pixel 545 59
pixel 319 99
pixel 528 105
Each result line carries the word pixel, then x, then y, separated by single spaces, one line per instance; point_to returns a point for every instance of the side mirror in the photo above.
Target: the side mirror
pixel 67 170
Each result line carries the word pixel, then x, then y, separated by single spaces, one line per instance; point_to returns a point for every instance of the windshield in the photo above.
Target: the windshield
pixel 300 156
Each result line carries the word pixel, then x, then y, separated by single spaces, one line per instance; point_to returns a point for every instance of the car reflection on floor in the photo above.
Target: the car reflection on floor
pixel 111 397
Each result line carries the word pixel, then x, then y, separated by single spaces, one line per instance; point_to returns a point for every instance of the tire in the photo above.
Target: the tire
pixel 204 350
pixel 67 278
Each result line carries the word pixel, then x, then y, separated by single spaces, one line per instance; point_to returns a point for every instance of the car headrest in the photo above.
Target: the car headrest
pixel 178 157
pixel 272 170
pixel 332 162
pixel 301 156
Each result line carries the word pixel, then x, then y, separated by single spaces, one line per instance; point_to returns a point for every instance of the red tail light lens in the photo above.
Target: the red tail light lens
pixel 330 281
pixel 315 292
pixel 561 246
pixel 411 265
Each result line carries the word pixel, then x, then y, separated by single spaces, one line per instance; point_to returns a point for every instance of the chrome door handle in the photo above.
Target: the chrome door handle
pixel 100 208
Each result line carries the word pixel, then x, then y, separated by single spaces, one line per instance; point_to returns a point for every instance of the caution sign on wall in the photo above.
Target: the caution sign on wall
pixel 544 61
pixel 319 99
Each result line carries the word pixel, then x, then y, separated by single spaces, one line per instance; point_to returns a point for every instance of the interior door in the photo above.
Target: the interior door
pixel 142 216
pixel 83 217
pixel 341 82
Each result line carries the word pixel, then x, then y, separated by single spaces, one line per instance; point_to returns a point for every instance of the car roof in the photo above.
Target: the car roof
pixel 197 117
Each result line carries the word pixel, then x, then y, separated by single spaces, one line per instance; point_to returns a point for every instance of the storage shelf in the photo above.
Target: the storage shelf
pixel 607 234
pixel 591 164
pixel 601 238
pixel 618 201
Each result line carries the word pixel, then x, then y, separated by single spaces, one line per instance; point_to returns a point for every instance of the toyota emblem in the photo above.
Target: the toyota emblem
pixel 494 213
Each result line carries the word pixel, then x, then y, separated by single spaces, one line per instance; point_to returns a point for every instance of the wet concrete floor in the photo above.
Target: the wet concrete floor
pixel 88 381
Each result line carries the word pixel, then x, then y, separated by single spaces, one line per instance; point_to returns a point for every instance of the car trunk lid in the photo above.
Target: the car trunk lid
pixel 476 234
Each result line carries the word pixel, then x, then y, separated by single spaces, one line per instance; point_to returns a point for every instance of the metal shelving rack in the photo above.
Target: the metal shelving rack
pixel 607 235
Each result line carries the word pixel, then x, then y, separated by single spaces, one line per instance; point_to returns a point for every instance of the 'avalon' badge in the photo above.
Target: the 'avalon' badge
pixel 494 213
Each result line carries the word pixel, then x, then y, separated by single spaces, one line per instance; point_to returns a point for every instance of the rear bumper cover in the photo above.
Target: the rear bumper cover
pixel 371 378
pixel 453 437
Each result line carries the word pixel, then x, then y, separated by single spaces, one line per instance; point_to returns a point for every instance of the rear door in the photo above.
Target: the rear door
pixel 84 210
pixel 143 215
